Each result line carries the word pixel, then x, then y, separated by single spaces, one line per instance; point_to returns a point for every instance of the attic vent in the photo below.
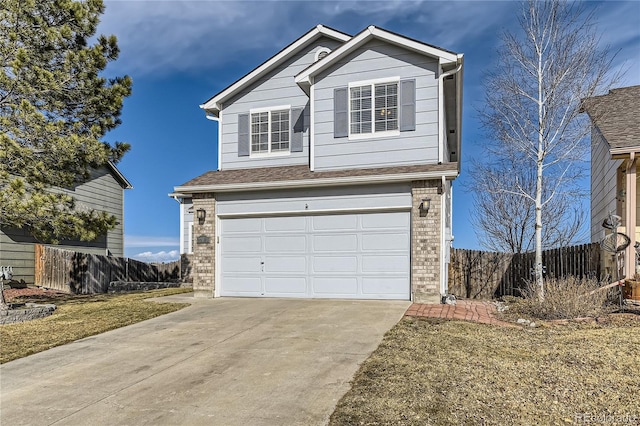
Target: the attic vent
pixel 321 53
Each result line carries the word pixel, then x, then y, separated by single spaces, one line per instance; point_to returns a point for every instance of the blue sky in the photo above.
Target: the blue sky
pixel 180 53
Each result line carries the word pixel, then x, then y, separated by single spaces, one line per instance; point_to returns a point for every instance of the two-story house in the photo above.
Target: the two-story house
pixel 336 158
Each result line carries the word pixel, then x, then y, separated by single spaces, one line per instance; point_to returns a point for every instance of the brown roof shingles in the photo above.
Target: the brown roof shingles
pixel 617 115
pixel 302 172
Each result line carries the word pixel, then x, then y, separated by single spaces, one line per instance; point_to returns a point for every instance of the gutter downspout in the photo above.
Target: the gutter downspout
pixel 630 216
pixel 441 117
pixel 219 121
pixel 444 285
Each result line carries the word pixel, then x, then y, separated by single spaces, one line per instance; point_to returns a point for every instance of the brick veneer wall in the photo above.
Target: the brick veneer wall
pixel 204 252
pixel 425 242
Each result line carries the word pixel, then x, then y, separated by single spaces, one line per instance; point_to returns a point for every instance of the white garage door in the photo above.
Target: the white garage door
pixel 363 256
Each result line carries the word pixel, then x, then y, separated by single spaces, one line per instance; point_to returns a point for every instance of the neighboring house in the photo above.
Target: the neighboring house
pixel 336 158
pixel 615 147
pixel 104 191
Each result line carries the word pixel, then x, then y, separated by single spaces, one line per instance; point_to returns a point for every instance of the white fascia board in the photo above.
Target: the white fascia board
pixel 309 183
pixel 303 79
pixel 624 151
pixel 213 104
pixel 414 45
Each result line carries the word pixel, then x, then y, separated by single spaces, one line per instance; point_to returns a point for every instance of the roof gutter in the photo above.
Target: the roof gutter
pixel 308 183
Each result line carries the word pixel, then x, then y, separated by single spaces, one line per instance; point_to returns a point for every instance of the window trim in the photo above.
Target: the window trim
pixel 373 134
pixel 269 153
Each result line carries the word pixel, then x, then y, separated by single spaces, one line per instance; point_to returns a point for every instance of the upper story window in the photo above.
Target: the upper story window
pixel 276 131
pixel 270 131
pixel 372 108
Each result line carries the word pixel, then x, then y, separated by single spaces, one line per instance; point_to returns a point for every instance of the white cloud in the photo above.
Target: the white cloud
pixel 150 241
pixel 161 256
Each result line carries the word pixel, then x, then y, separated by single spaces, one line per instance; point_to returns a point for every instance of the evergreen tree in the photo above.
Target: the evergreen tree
pixel 54 109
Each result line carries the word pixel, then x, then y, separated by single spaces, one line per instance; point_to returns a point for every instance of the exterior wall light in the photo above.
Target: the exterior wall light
pixel 201 214
pixel 425 205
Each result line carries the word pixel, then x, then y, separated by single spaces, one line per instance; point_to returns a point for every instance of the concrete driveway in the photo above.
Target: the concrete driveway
pixel 217 362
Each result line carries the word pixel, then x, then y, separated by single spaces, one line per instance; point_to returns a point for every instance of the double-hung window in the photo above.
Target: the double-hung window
pixel 270 130
pixel 373 107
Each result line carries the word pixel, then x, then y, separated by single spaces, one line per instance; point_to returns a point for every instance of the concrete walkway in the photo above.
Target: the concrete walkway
pixel 467 310
pixel 218 362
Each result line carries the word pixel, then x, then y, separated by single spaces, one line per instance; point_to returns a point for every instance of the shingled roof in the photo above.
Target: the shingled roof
pixel 617 116
pixel 257 178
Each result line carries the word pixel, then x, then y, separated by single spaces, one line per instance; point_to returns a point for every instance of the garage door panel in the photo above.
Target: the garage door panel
pixel 249 286
pixel 243 244
pixel 385 221
pixel 398 287
pixel 285 244
pixel 333 264
pixel 238 264
pixel 385 242
pixel 360 255
pixel 335 222
pixel 249 225
pixel 337 242
pixel 291 264
pixel 286 286
pixel 385 264
pixel 335 286
pixel 285 224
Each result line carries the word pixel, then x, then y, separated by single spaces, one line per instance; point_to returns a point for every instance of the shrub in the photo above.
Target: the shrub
pixel 564 298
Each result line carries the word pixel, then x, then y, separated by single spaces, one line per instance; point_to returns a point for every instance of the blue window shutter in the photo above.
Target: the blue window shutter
pixel 407 105
pixel 243 135
pixel 297 129
pixel 340 113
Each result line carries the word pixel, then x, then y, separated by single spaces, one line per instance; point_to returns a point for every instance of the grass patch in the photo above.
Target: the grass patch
pixel 437 372
pixel 77 317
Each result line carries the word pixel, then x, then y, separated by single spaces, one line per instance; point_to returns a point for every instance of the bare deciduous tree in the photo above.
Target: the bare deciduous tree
pixel 532 109
pixel 504 221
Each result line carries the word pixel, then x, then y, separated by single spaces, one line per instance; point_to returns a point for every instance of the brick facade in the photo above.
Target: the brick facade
pixel 204 250
pixel 425 242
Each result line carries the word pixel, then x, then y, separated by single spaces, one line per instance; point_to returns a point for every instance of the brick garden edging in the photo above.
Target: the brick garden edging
pixel 30 312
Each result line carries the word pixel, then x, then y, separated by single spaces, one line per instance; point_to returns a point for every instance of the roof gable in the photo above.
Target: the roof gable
pixel 304 78
pixel 213 105
pixel 617 116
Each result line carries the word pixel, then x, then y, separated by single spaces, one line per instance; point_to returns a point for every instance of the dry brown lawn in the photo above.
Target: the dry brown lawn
pixel 77 317
pixel 438 372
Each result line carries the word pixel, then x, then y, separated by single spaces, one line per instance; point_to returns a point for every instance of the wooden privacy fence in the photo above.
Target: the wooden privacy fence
pixel 85 273
pixel 481 274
